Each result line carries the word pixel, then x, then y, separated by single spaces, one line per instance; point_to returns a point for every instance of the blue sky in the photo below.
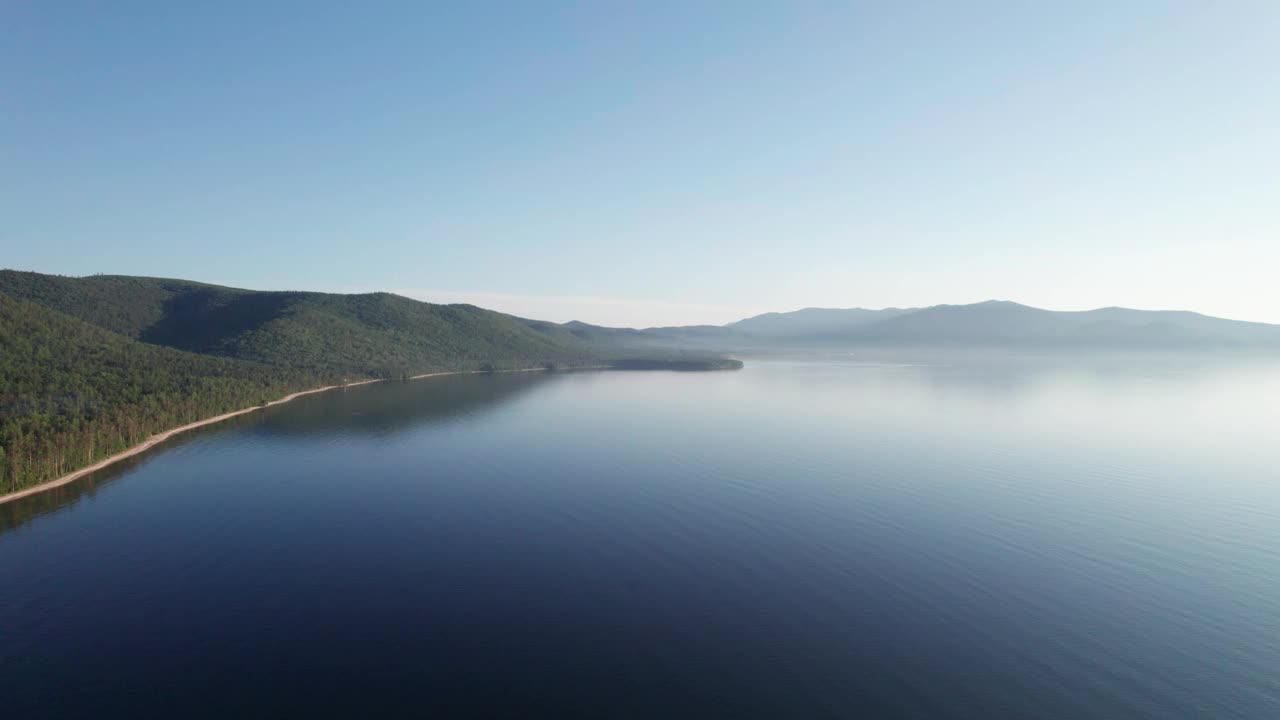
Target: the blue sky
pixel 651 162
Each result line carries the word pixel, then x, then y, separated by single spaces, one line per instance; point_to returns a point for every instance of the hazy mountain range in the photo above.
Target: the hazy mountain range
pixel 381 333
pixel 994 323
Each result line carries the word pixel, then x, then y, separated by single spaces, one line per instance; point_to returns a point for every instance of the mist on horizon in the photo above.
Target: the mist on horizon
pixel 659 164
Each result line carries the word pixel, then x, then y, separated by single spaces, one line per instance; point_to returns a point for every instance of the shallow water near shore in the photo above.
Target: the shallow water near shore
pixel 819 538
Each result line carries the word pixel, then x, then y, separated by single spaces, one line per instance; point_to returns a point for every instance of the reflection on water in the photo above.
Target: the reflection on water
pixel 935 538
pixel 392 407
pixel 379 409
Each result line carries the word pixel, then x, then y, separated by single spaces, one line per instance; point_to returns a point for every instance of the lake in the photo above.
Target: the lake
pixel 798 539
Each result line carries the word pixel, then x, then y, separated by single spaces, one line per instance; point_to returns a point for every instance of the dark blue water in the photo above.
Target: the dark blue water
pixel 793 540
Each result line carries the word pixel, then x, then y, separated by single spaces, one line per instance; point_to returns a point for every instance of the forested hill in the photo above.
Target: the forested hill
pixel 90 366
pixel 374 335
pixel 72 393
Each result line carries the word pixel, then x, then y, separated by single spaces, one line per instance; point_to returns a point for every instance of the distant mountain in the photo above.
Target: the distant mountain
pixel 812 321
pixel 987 324
pixel 1008 323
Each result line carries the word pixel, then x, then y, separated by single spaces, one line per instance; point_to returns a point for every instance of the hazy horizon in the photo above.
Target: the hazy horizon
pixel 615 312
pixel 656 164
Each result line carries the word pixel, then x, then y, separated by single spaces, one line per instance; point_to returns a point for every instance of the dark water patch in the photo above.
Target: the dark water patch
pixel 793 540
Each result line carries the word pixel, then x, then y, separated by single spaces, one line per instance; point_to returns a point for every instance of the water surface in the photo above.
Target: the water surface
pixel 797 539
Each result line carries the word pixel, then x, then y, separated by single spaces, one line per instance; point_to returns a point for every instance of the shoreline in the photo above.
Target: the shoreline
pixel 165 435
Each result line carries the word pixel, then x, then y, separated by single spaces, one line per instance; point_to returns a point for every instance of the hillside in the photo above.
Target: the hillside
pixel 90 366
pixel 71 392
pixel 377 335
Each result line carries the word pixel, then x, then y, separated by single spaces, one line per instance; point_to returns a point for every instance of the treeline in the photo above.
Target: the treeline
pixel 72 394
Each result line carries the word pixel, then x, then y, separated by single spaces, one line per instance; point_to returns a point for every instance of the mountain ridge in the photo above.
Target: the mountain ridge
pixel 369 334
pixel 387 331
pixel 990 322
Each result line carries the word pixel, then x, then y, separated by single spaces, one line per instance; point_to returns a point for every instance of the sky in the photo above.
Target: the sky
pixel 654 163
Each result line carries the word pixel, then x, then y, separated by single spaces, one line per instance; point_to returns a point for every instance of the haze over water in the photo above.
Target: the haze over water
pixel 796 539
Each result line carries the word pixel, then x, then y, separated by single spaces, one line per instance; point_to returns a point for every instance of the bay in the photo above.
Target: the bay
pixel 801 538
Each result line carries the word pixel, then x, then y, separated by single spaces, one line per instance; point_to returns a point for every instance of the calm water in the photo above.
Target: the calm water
pixel 798 539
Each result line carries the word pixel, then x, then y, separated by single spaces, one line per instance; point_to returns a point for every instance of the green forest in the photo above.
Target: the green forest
pixel 91 366
pixel 71 393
